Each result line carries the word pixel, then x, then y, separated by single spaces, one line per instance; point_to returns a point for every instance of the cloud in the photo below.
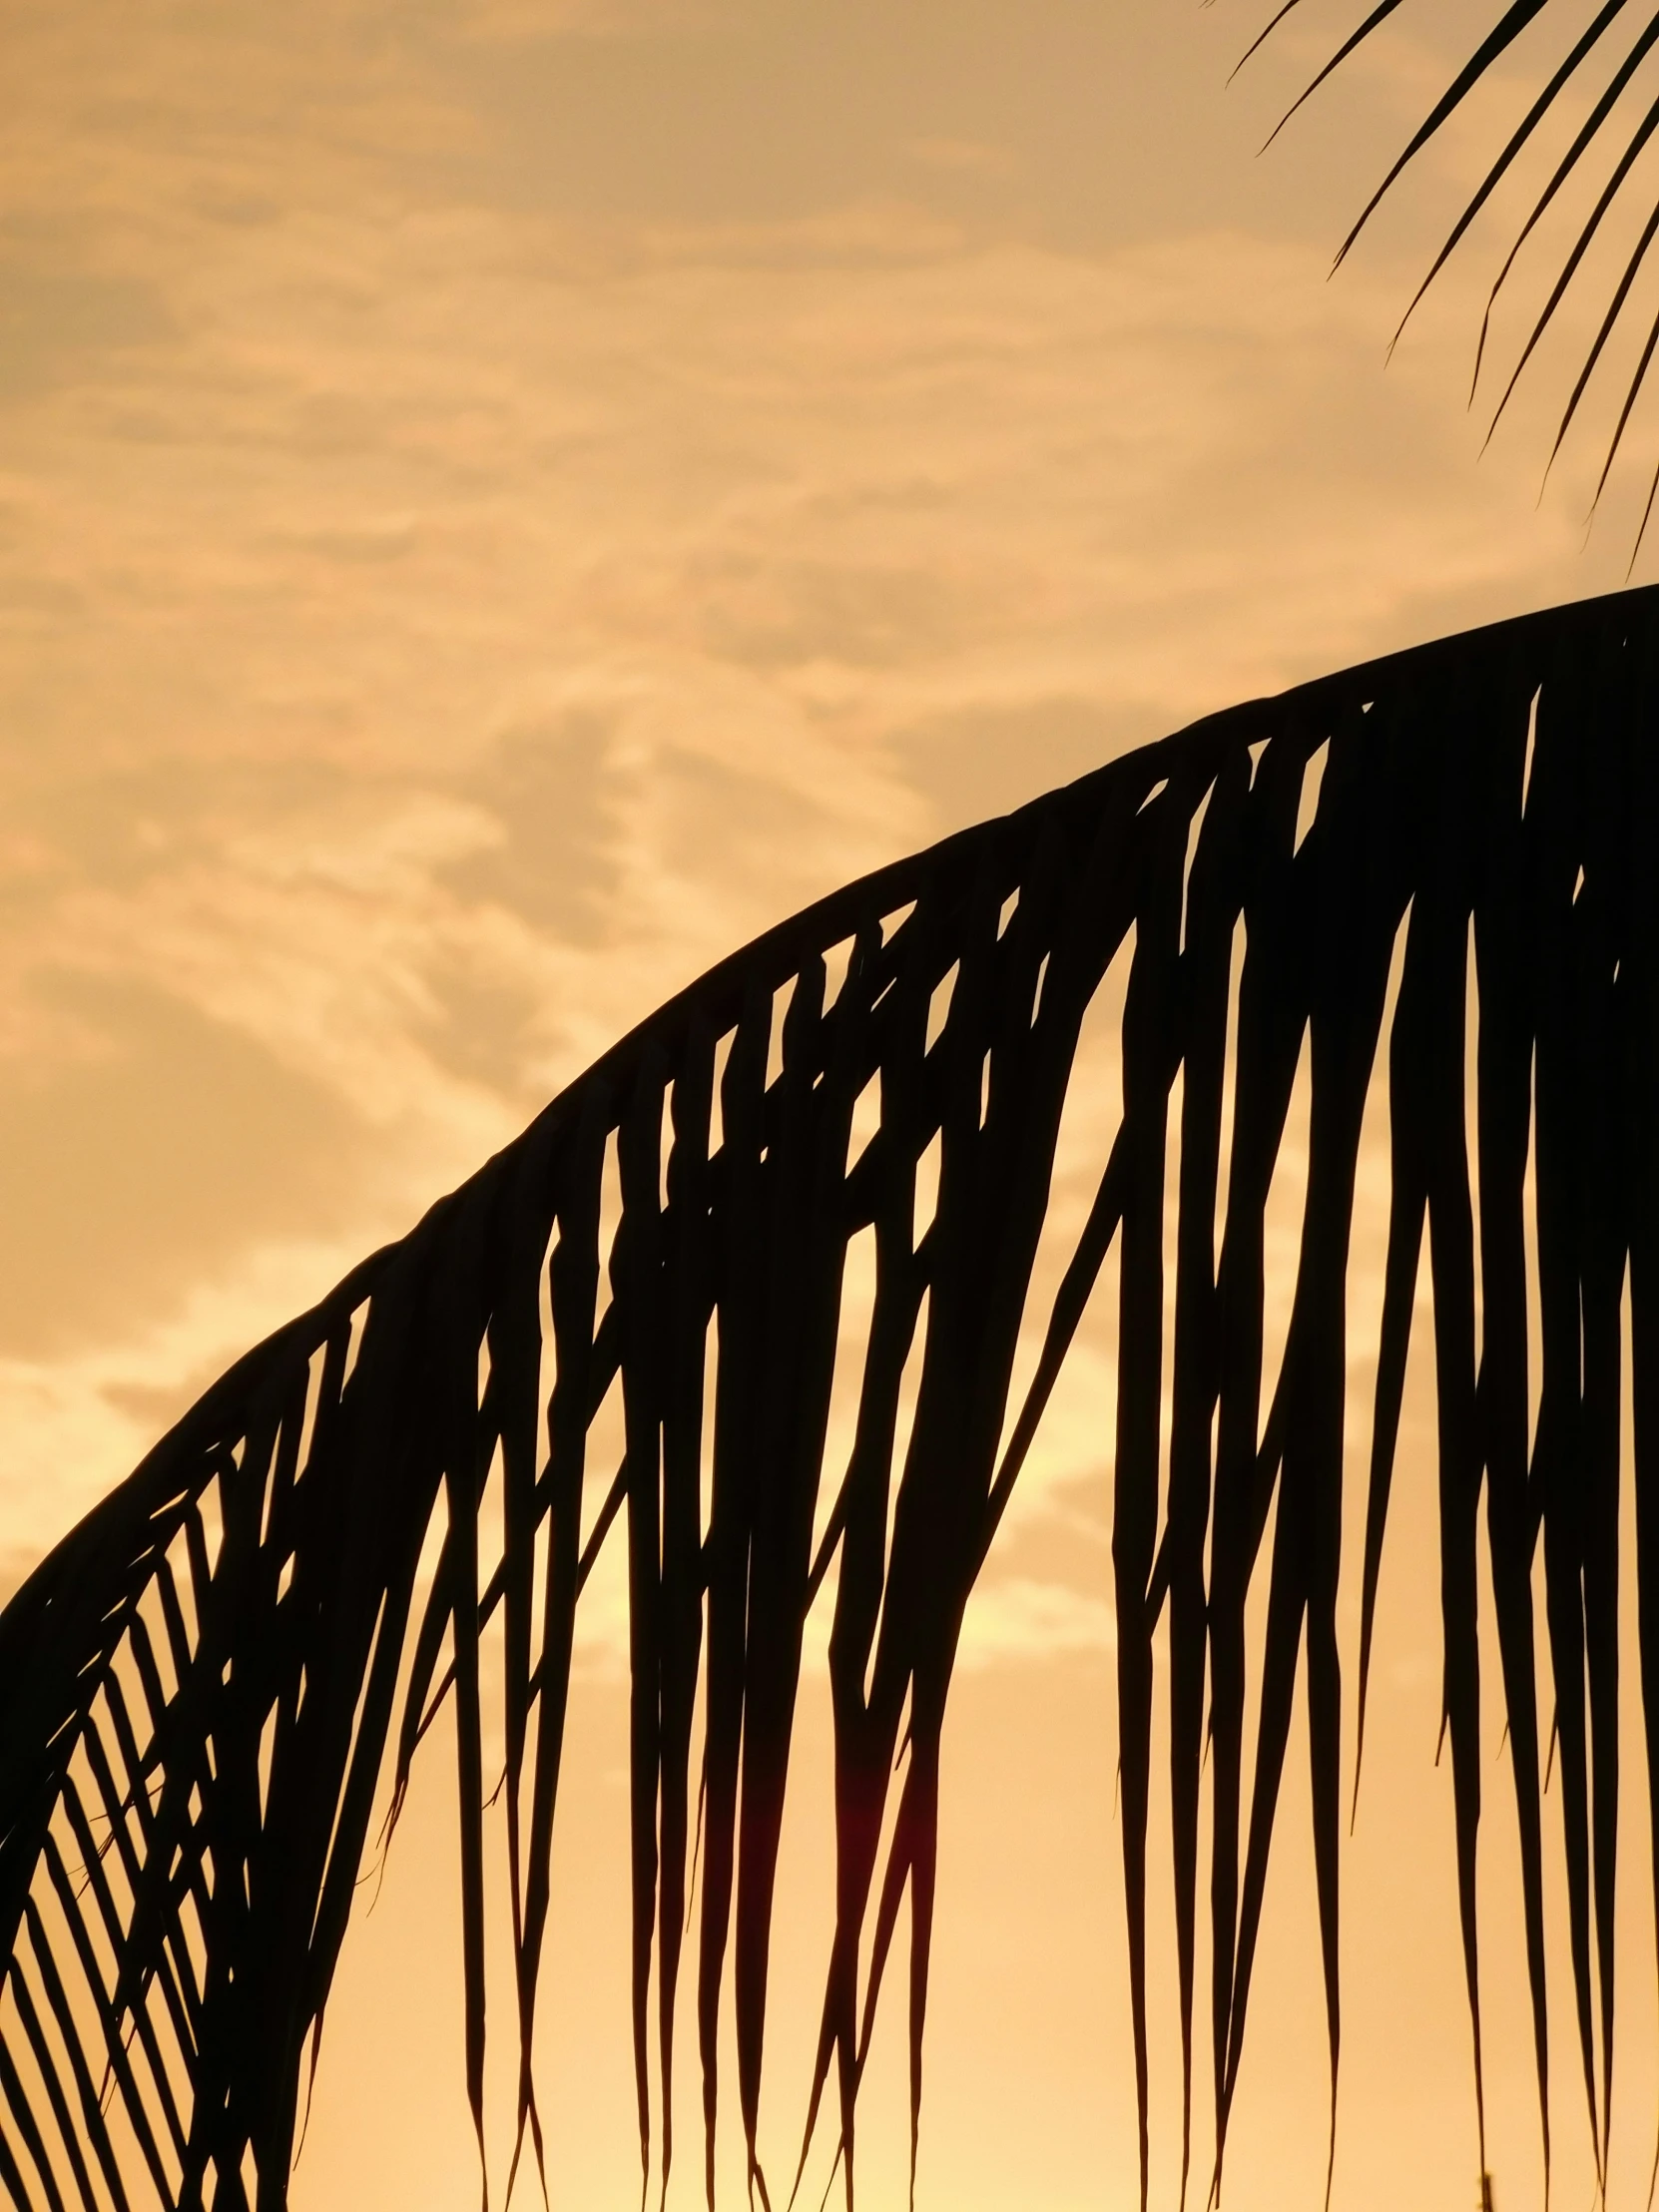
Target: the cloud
pixel 74 1423
pixel 451 608
pixel 1020 1618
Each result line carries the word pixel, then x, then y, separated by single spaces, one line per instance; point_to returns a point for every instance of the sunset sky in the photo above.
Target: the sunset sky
pixel 501 500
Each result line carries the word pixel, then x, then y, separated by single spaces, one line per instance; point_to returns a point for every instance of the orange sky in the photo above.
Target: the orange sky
pixel 499 499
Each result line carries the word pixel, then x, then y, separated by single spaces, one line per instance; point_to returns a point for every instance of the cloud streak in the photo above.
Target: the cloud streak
pixel 454 602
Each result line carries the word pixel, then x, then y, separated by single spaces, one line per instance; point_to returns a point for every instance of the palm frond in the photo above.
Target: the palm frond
pixel 202 1687
pixel 1597 43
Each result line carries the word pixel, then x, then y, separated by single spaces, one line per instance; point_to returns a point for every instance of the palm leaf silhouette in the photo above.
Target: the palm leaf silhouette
pixel 1599 66
pixel 202 1685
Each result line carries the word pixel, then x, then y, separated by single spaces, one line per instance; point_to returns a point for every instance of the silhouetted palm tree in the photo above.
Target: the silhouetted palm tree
pixel 1587 170
pixel 203 1686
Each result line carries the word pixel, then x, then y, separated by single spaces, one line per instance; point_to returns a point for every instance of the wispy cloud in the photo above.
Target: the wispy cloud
pixel 450 607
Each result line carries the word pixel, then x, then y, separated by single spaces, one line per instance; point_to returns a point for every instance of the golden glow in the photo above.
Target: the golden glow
pixel 500 500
